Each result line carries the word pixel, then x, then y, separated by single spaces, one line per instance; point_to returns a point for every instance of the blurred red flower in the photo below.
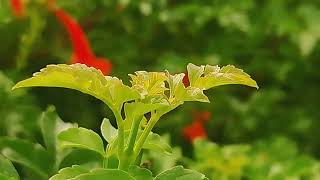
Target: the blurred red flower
pixel 194 131
pixel 185 80
pixel 17 7
pixel 196 128
pixel 82 52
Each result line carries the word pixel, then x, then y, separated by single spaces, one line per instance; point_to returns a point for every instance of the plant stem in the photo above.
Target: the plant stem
pixel 124 162
pixel 120 135
pixel 138 158
pixel 128 156
pixel 105 162
pixel 153 120
pixel 133 134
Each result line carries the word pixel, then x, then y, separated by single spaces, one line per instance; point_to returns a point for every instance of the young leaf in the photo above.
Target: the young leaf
pixel 51 125
pixel 69 173
pixel 154 142
pixel 107 130
pixel 80 77
pixel 139 173
pixel 179 172
pixel 81 138
pixel 27 154
pixel 48 122
pixel 84 157
pixel 178 92
pixel 103 174
pixel 150 85
pixel 206 77
pixel 194 73
pixel 7 170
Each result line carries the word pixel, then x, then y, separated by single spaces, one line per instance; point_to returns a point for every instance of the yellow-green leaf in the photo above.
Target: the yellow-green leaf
pixel 138 109
pixel 80 77
pixel 206 77
pixel 149 84
pixel 69 173
pixel 107 130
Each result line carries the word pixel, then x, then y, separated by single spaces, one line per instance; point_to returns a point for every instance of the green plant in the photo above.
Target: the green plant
pixel 137 109
pixel 37 161
pixel 264 159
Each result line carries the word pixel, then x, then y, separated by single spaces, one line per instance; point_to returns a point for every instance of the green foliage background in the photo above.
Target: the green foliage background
pixel 275 41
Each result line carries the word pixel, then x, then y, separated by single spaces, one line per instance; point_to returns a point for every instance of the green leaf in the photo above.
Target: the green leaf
pixel 27 154
pixel 178 92
pixel 137 109
pixel 69 173
pixel 194 73
pixel 81 138
pixel 48 122
pixel 139 173
pixel 80 77
pixel 7 170
pixel 206 77
pixel 84 157
pixel 179 172
pixel 107 130
pixel 155 142
pixel 51 125
pixel 18 110
pixel 103 174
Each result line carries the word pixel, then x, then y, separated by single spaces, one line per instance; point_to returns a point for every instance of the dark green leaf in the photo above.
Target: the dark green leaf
pixel 7 170
pixel 30 155
pixel 83 157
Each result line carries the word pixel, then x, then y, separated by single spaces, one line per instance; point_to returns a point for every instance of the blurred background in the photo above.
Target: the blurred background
pixel 269 133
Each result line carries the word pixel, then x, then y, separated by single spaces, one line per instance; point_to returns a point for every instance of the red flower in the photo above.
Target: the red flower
pixel 196 128
pixel 194 131
pixel 17 7
pixel 185 80
pixel 82 52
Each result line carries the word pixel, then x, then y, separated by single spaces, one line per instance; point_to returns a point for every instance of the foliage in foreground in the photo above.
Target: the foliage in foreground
pixel 151 95
pixel 271 159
